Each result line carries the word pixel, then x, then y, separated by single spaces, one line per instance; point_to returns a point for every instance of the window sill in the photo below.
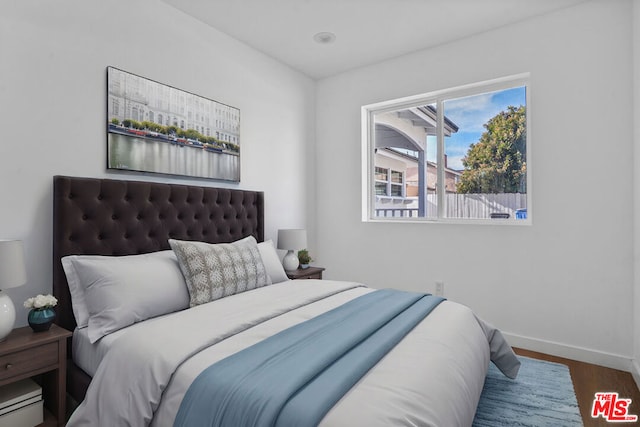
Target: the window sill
pixel 451 221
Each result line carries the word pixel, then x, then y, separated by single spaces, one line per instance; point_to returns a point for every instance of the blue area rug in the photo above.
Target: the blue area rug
pixel 542 395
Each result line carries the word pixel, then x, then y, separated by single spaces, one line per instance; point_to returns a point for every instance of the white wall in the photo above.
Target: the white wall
pixel 636 192
pixel 578 255
pixel 563 285
pixel 53 109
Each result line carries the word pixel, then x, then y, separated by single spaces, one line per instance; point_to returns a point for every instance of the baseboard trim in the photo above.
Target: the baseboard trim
pixel 635 371
pixel 609 360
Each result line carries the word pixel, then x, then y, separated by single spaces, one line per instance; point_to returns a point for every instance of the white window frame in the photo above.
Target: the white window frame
pixel 368 113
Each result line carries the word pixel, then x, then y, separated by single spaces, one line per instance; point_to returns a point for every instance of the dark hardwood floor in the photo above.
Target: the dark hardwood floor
pixel 589 379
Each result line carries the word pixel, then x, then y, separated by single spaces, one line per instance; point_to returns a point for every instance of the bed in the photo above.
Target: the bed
pixel 135 358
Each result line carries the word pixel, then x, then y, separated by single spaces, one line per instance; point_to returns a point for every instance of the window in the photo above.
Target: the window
pixel 382 176
pixel 396 184
pixel 389 182
pixel 451 155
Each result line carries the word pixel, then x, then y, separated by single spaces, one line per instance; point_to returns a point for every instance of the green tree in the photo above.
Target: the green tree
pixel 152 126
pixel 132 124
pixel 192 134
pixel 497 162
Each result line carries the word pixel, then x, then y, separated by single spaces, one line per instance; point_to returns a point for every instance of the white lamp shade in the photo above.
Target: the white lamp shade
pixel 292 239
pixel 12 268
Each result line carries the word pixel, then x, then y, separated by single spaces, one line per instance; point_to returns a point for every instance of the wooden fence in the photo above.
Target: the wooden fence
pixel 474 206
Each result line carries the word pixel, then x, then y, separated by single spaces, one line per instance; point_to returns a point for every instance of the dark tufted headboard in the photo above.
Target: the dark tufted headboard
pixel 117 217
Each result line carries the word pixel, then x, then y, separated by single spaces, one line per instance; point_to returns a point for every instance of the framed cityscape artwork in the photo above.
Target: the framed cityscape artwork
pixel 152 127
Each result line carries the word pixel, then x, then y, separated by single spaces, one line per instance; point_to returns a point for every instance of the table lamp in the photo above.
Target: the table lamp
pixel 291 240
pixel 12 275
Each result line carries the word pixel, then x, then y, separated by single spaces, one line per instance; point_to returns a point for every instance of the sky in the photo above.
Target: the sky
pixel 470 114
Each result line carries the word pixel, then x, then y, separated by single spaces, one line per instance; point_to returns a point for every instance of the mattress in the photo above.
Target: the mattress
pixel 88 356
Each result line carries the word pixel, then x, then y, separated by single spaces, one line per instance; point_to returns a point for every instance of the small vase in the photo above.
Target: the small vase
pixel 40 319
pixel 304 266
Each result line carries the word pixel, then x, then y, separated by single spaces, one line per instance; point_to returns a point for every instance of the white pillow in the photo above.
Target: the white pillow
pixel 115 292
pixel 272 262
pixel 76 289
pixel 214 271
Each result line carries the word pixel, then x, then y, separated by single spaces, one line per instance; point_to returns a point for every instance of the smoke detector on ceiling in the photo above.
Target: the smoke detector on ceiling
pixel 324 37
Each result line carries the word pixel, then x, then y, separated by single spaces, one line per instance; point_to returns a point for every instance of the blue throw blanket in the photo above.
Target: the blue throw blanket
pixel 296 376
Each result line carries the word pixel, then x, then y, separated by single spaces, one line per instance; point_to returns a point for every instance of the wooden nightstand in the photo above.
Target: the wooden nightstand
pixel 42 355
pixel 306 273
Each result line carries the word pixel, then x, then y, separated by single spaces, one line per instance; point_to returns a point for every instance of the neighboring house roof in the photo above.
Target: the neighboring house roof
pixel 409 128
pixel 430 110
pixel 411 158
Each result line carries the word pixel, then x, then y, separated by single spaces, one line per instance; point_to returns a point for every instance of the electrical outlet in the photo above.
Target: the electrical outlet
pixel 440 288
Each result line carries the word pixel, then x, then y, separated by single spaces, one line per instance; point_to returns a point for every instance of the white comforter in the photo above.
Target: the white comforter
pixel 434 377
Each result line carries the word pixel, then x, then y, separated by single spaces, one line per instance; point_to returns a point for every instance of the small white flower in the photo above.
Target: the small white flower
pixel 41 301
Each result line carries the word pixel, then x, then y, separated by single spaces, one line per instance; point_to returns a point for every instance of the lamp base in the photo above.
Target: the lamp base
pixel 7 315
pixel 290 261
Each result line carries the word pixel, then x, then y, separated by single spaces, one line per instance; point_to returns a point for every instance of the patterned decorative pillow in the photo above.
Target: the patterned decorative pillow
pixel 214 271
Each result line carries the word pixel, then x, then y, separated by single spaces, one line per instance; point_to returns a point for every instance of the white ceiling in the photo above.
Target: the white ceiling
pixel 367 31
